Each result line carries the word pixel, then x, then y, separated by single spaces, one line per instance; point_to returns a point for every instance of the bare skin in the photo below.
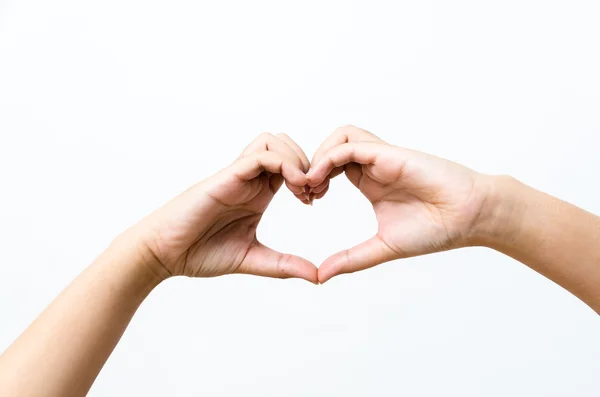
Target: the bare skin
pixel 423 204
pixel 209 230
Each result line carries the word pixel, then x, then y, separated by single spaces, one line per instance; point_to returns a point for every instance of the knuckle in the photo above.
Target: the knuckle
pixel 345 129
pixel 258 160
pixel 281 266
pixel 265 136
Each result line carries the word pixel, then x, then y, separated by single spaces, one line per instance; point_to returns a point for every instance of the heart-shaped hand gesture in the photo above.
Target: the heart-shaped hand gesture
pixel 423 204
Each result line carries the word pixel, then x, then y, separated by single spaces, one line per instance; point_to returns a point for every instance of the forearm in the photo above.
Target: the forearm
pixel 63 351
pixel 555 238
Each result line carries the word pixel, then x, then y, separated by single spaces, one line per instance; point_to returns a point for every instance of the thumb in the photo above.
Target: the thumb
pixel 363 256
pixel 264 261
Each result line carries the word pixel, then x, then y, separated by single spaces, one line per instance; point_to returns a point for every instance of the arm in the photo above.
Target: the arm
pixel 207 231
pixel 62 352
pixel 554 238
pixel 426 204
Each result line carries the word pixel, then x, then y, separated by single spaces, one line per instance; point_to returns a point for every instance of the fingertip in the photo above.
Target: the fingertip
pixel 315 279
pixel 314 276
pixel 335 265
pixel 322 187
pixel 326 271
pixel 294 175
pixel 312 178
pixel 310 181
pixel 303 199
pixel 313 181
pixel 302 179
pixel 303 195
pixel 322 279
pixel 297 191
pixel 305 270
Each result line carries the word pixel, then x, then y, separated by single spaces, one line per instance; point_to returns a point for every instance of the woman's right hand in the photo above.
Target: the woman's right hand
pixel 210 229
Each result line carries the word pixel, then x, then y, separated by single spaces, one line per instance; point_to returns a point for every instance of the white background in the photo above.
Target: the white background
pixel 109 108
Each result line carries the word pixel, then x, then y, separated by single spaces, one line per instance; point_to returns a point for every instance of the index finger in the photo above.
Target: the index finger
pixel 301 155
pixel 341 135
pixel 249 167
pixel 353 152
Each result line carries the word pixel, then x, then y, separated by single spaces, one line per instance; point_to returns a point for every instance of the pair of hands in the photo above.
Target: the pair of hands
pixel 423 204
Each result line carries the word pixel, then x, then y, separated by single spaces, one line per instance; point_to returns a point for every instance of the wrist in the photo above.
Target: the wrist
pixel 137 260
pixel 501 211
